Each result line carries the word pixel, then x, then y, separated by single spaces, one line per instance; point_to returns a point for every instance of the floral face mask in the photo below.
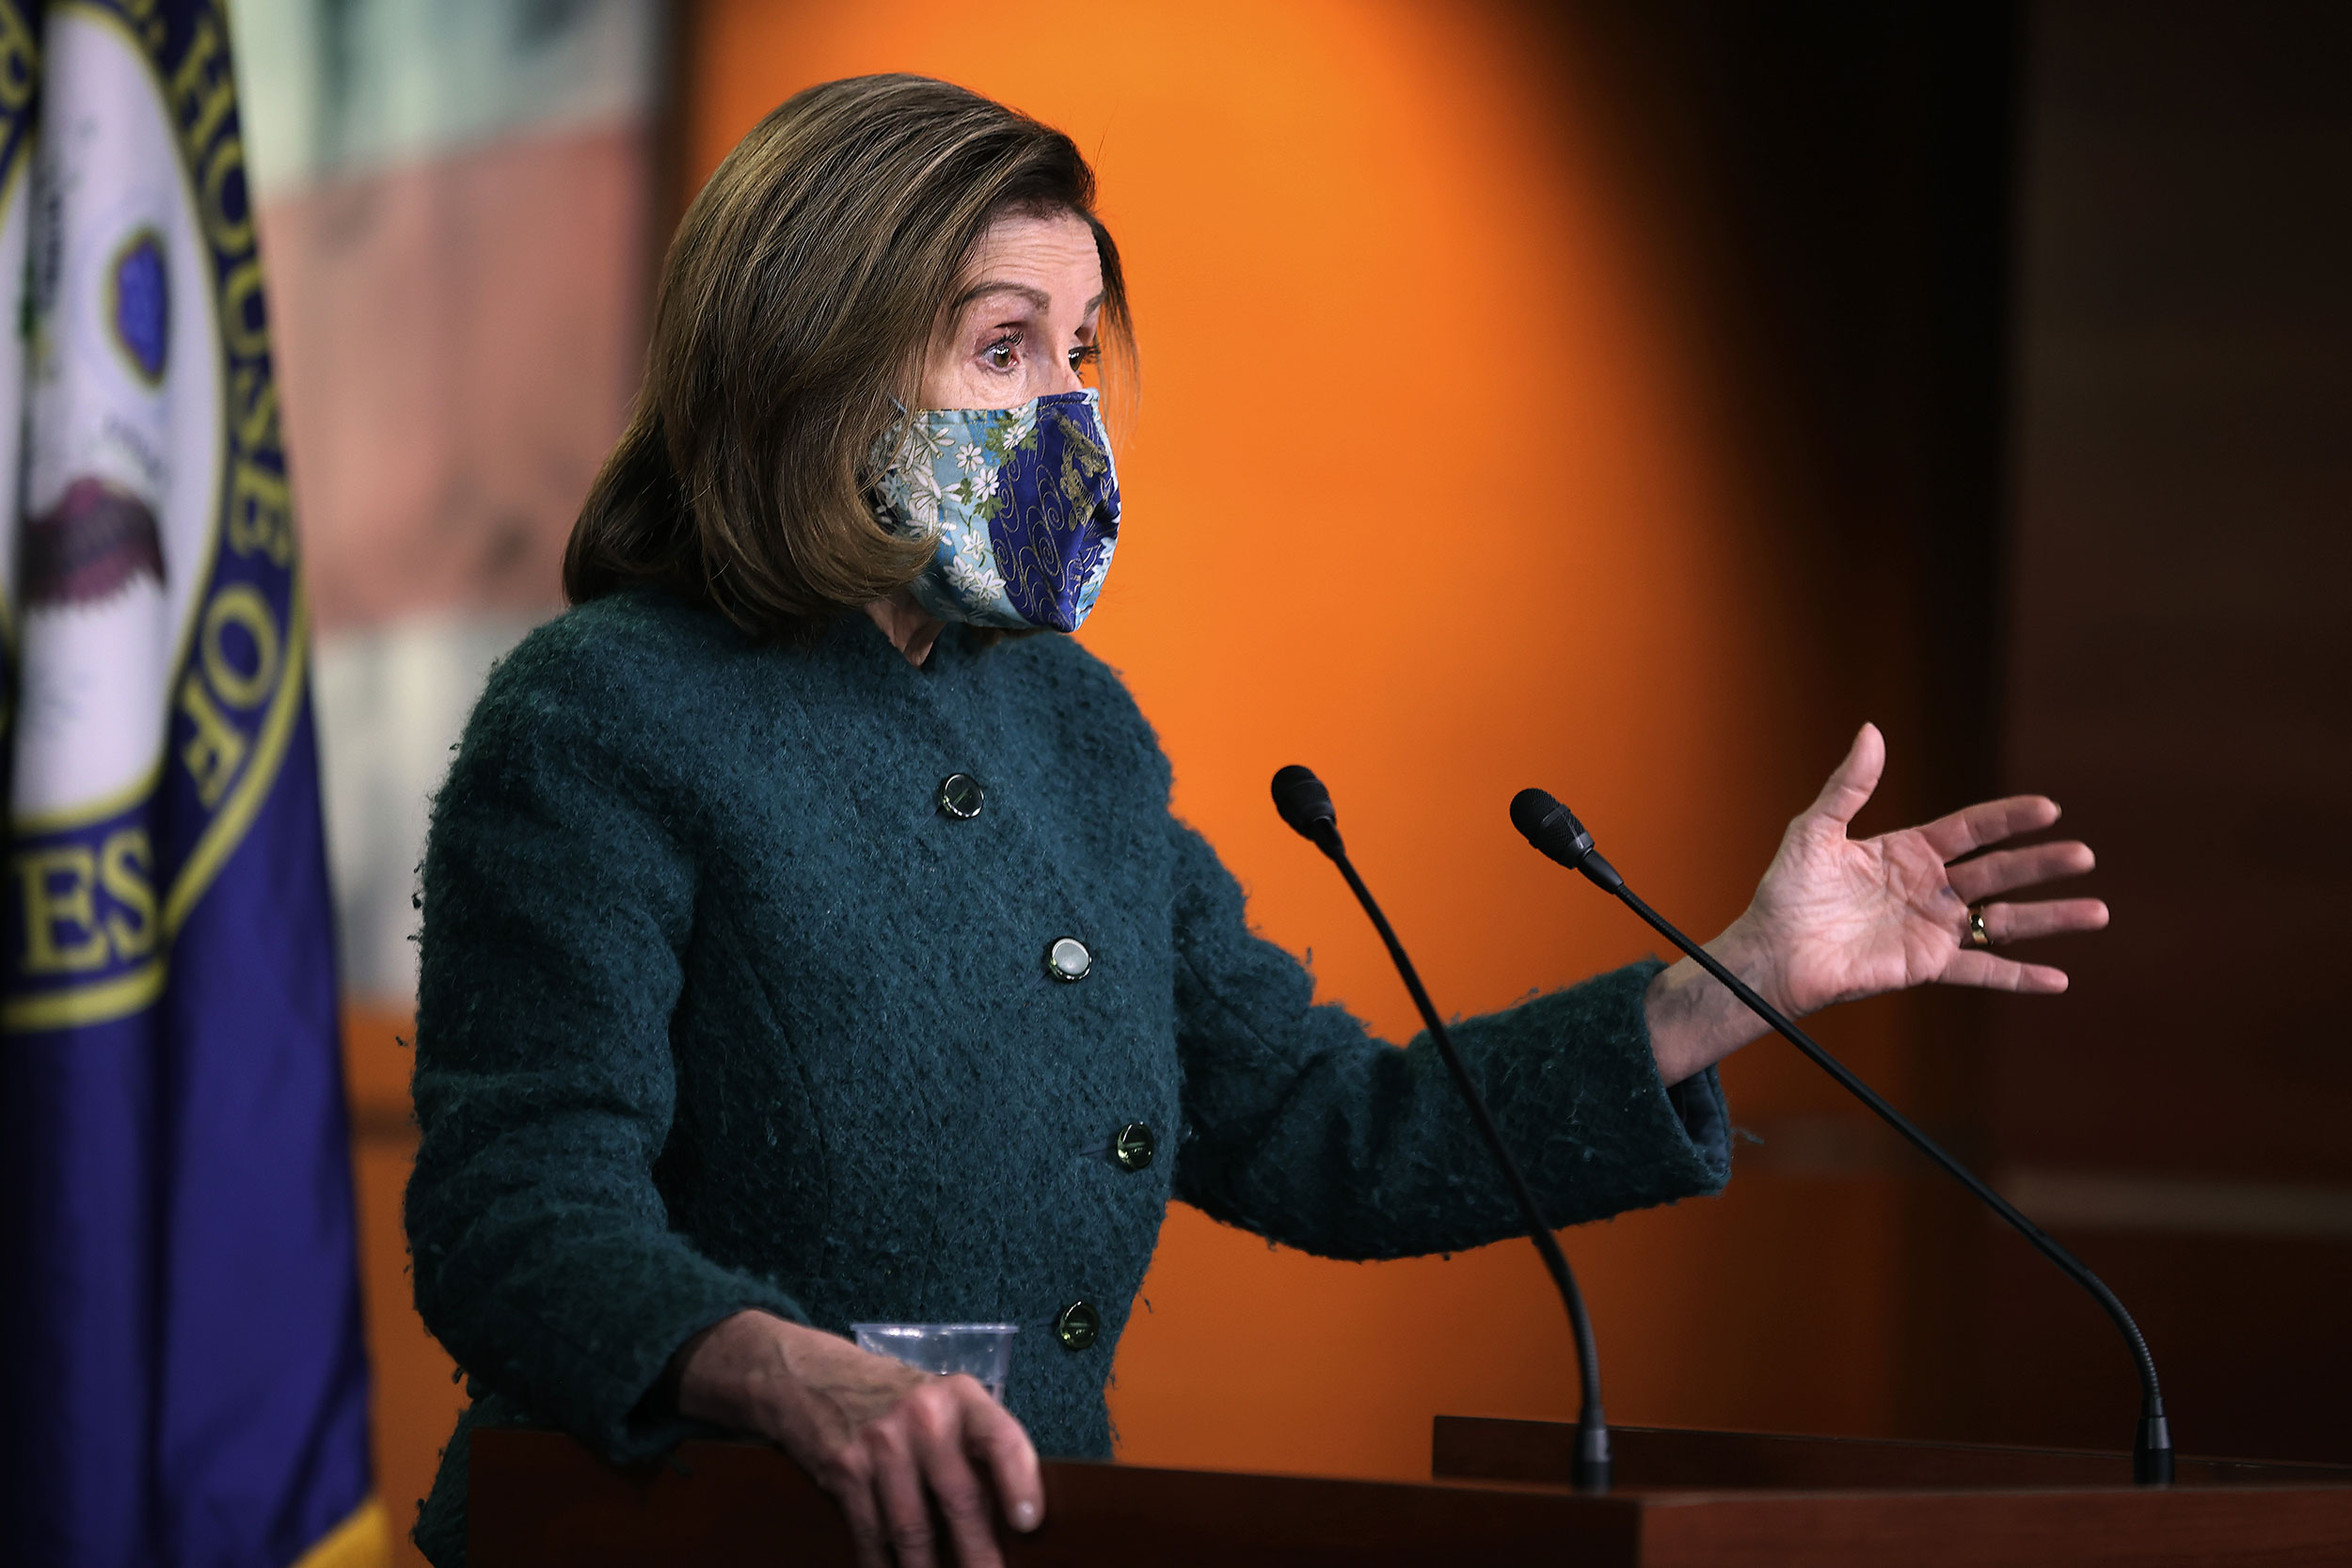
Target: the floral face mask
pixel 1022 501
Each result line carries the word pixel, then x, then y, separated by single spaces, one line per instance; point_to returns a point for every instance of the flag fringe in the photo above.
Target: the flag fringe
pixel 362 1540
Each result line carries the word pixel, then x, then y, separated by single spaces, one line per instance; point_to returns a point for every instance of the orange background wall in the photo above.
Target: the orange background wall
pixel 1436 487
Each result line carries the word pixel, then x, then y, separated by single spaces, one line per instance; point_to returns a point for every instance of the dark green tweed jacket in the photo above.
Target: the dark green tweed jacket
pixel 719 1010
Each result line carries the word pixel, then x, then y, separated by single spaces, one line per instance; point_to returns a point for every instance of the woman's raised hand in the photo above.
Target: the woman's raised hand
pixel 900 1450
pixel 1837 918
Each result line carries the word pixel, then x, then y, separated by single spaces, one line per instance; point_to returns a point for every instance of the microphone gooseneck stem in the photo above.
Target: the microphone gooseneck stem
pixel 2152 1448
pixel 1592 1464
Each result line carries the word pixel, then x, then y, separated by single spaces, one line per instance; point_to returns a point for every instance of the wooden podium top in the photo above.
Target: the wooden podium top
pixel 1696 1499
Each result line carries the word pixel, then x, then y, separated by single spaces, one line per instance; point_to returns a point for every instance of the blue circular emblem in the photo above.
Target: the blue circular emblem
pixel 141 294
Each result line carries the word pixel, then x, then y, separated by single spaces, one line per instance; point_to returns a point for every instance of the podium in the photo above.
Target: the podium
pixel 1498 1494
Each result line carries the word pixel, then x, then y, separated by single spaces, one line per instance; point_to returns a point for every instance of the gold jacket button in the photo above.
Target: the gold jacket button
pixel 1068 960
pixel 960 795
pixel 1077 1325
pixel 1134 1147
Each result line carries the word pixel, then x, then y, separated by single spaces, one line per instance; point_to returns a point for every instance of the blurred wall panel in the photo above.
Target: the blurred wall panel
pixel 460 339
pixel 2181 677
pixel 455 202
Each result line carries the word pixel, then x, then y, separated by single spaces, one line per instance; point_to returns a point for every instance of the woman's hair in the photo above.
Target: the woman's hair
pixel 796 307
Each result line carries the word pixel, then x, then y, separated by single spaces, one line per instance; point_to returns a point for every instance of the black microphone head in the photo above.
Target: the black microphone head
pixel 1551 827
pixel 1306 805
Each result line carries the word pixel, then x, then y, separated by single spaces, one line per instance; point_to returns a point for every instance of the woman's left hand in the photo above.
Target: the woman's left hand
pixel 1836 918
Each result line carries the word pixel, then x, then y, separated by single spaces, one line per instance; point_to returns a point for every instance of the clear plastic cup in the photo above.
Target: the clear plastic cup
pixel 981 1351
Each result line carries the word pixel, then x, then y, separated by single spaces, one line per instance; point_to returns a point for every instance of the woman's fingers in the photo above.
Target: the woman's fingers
pixel 1991 972
pixel 2005 923
pixel 2051 917
pixel 919 1460
pixel 1848 788
pixel 1972 828
pixel 906 1508
pixel 2007 870
pixel 992 1433
pixel 851 1479
pixel 939 1417
pixel 897 1449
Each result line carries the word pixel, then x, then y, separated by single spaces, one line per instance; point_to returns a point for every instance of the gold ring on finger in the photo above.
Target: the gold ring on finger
pixel 1976 937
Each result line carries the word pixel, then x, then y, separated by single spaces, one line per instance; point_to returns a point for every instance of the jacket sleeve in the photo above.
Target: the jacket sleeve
pixel 1301 1127
pixel 557 904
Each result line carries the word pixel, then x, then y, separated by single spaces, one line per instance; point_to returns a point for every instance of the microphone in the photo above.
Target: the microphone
pixel 1553 828
pixel 1306 805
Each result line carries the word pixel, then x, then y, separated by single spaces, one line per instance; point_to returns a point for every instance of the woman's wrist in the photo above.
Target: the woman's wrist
pixel 1694 1021
pixel 738 1371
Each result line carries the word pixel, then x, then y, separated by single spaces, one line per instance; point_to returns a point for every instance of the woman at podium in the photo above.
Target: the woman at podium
pixel 807 938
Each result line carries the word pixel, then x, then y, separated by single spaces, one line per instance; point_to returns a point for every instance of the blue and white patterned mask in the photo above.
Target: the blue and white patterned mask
pixel 1023 502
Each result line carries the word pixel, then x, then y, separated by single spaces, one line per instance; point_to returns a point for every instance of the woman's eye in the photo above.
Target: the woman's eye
pixel 1081 358
pixel 999 353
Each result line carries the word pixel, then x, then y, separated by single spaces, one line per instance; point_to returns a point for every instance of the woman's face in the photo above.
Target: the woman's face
pixel 1022 324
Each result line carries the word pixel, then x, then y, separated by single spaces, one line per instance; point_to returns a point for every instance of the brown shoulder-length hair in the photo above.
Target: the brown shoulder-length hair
pixel 796 307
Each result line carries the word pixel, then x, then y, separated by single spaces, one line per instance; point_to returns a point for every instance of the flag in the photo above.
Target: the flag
pixel 182 1375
